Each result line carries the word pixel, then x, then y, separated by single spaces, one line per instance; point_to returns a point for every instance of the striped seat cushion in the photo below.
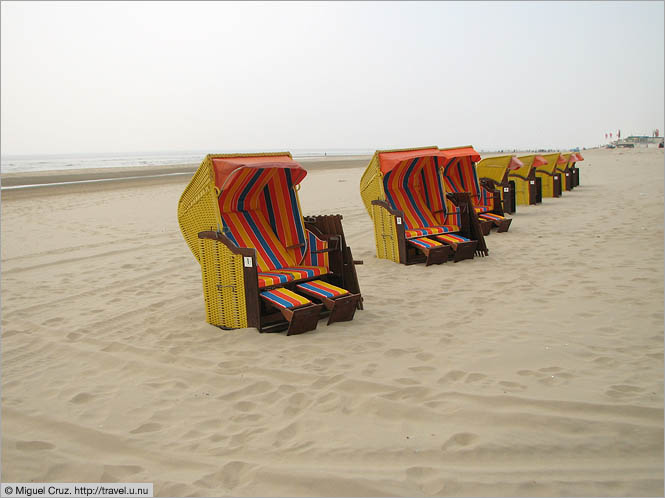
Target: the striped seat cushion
pixel 303 272
pixel 452 238
pixel 420 232
pixel 492 216
pixel 322 289
pixel 285 298
pixel 268 279
pixel 425 243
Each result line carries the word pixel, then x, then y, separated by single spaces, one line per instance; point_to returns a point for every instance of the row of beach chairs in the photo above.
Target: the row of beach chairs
pixel 265 265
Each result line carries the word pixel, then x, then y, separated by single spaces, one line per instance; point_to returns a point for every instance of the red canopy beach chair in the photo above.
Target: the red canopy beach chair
pixel 414 221
pixel 241 217
pixel 458 167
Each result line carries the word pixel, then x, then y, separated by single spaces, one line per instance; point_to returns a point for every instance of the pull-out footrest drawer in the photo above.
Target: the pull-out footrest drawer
pixel 340 302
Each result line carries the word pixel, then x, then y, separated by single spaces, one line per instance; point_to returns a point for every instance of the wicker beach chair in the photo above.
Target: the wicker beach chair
pixel 262 265
pixel 493 174
pixel 563 168
pixel 574 170
pixel 459 174
pixel 528 187
pixel 414 221
pixel 549 176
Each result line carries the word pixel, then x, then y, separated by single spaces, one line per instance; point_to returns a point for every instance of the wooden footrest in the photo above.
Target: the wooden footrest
pixel 501 222
pixel 462 247
pixel 340 302
pixel 300 312
pixel 436 252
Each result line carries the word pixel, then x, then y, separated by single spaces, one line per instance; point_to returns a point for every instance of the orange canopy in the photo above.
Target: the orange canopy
pixel 562 160
pixel 539 161
pixel 225 167
pixel 460 152
pixel 515 164
pixel 577 157
pixel 389 160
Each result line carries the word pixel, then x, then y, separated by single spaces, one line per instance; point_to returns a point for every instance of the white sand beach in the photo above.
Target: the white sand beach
pixel 536 371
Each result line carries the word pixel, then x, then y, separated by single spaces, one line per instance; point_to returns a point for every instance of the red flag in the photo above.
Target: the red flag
pixel 605 135
pixel 610 134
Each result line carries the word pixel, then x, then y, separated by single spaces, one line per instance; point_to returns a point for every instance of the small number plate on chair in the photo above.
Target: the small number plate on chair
pixel 398 220
pixel 506 189
pixel 248 261
pixel 567 174
pixel 556 177
pixel 532 182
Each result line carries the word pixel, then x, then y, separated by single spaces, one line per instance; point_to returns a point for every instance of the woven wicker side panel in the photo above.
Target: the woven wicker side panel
pixel 197 208
pixel 371 188
pixel 385 234
pixel 223 285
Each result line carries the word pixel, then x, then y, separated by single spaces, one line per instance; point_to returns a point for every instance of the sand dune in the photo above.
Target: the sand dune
pixel 535 371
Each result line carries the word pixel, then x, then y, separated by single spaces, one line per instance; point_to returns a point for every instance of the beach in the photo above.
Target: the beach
pixel 535 371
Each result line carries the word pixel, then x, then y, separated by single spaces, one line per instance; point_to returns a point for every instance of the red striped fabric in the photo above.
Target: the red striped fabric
pixel 285 298
pixel 452 238
pixel 322 289
pixel 425 243
pixel 492 216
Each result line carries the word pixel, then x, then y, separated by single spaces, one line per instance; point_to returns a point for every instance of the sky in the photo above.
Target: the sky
pixel 86 77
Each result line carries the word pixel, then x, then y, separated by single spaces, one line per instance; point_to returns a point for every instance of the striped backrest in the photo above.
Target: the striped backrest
pixel 459 175
pixel 260 209
pixel 414 187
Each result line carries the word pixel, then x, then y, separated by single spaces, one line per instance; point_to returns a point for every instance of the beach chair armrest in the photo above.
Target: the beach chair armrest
pixel 220 237
pixel 388 207
pixel 518 176
pixel 489 183
pixel 333 243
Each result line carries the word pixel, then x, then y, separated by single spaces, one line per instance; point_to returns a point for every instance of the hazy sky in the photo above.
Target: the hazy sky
pixel 126 76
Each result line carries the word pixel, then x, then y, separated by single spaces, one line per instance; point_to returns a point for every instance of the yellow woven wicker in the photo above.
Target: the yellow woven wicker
pixel 221 270
pixel 223 285
pixel 494 168
pixel 545 171
pixel 385 225
pixel 521 185
pixel 561 168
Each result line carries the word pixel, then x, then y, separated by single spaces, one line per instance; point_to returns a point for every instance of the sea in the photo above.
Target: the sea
pixel 27 163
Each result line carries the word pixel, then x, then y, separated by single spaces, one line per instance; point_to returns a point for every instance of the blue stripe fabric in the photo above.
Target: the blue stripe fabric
pixel 310 287
pixel 264 244
pixel 276 299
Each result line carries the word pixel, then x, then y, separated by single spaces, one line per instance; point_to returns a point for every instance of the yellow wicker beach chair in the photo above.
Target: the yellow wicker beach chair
pixel 263 265
pixel 528 187
pixel 549 176
pixel 414 220
pixel 458 170
pixel 563 168
pixel 493 173
pixel 574 170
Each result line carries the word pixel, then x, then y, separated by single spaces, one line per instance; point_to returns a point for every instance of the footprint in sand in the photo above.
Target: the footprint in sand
pixel 81 398
pixel 512 386
pixel 149 427
pixel 459 440
pixel 474 377
pixel 34 445
pixel 452 376
pixel 623 391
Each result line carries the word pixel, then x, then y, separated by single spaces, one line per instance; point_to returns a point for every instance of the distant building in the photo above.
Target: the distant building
pixel 638 141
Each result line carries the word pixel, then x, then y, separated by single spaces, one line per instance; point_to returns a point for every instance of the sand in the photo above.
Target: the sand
pixel 535 371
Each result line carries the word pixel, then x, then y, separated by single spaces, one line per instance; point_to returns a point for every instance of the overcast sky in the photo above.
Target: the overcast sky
pixel 122 77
